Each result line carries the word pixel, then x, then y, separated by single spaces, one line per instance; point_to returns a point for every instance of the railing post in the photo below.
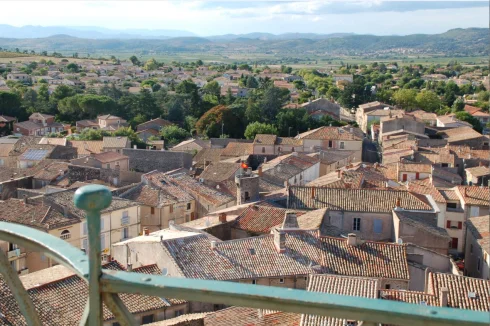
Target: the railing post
pixel 92 199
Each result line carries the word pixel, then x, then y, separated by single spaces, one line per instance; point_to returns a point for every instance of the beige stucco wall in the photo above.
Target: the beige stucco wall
pixel 344 220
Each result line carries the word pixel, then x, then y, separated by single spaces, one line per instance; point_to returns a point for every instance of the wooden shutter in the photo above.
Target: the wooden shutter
pixel 448 224
pixel 460 225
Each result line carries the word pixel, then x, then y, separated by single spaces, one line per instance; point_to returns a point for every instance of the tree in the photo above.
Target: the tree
pixel 72 67
pixel 465 116
pixel 428 101
pixel 92 134
pixel 259 128
pixel 253 112
pixel 272 101
pixel 151 64
pixel 217 119
pixel 212 88
pixel 292 121
pixel 176 108
pixel 458 105
pixel 406 98
pixel 134 60
pixel 188 87
pixel 131 134
pixel 85 106
pixel 174 134
pixel 252 82
pixel 61 92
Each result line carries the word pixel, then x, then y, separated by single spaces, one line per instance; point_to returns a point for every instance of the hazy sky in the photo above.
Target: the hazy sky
pixel 223 17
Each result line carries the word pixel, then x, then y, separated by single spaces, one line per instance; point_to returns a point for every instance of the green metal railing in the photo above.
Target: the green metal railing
pixel 104 285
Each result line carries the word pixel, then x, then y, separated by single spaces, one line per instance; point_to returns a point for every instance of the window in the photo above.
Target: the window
pixel 330 143
pixel 85 244
pixel 65 235
pixel 116 324
pixel 454 225
pixel 188 206
pixel 125 233
pixel 102 224
pixel 108 166
pixel 102 241
pixel 171 207
pixel 378 226
pixel 281 280
pixel 179 312
pixel 350 323
pixel 341 145
pixel 125 218
pixel 450 206
pixel 147 319
pixel 356 225
pixel 254 281
pixel 263 149
pixel 292 149
pixel 152 210
pixel 387 286
pixel 84 228
pixel 444 165
pixel 279 149
pixel 454 243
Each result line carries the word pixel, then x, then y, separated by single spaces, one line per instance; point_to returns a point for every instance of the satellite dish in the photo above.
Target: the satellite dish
pixel 164 272
pixel 399 241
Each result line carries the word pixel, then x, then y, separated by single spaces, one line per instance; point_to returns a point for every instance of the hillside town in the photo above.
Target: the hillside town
pixel 355 180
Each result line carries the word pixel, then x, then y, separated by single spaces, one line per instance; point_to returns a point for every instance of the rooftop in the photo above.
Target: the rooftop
pixel 480 228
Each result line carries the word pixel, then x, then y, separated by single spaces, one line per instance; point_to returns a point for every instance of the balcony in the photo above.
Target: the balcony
pixel 105 285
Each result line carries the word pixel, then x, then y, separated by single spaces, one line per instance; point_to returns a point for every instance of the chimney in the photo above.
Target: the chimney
pixel 339 174
pixel 130 267
pixel 352 239
pixel 222 217
pixel 376 165
pixel 171 225
pixel 146 231
pixel 279 240
pixel 259 170
pixel 213 245
pixel 443 292
pixel 24 199
pixel 397 205
pixel 312 192
pixel 466 191
pixel 290 221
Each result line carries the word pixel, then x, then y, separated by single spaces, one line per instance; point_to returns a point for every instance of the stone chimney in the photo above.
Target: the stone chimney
pixel 398 204
pixel 130 267
pixel 259 171
pixel 213 245
pixel 443 293
pixel 146 231
pixel 222 217
pixel 290 221
pixel 352 239
pixel 279 240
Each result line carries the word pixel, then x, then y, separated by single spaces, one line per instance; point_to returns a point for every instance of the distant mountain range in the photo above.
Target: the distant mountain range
pixel 467 42
pixel 91 32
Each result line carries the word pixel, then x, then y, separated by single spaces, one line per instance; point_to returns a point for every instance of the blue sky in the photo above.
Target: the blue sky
pixel 224 17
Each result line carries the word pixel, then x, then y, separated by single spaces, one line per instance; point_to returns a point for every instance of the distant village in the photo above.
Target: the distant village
pixel 381 201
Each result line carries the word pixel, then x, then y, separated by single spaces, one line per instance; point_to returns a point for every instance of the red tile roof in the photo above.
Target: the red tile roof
pixel 241 316
pixel 260 219
pixel 473 195
pixel 480 228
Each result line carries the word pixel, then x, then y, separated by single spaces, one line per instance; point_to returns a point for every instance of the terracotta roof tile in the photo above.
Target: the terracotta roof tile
pixel 459 290
pixel 343 285
pixel 220 171
pixel 473 195
pixel 115 142
pixel 354 200
pixel 425 187
pixel 264 139
pixel 409 297
pixel 333 133
pixel 107 157
pixel 260 219
pixel 85 148
pixel 241 316
pixel 459 134
pixel 480 228
pixel 426 222
pixel 234 149
pixel 62 302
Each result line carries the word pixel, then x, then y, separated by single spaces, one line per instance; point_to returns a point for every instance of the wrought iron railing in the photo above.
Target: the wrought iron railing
pixel 104 285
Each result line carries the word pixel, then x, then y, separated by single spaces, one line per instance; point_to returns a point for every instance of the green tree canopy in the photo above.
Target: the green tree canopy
pixel 174 135
pixel 218 118
pixel 465 116
pixel 428 101
pixel 259 128
pixel 406 98
pixel 292 121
